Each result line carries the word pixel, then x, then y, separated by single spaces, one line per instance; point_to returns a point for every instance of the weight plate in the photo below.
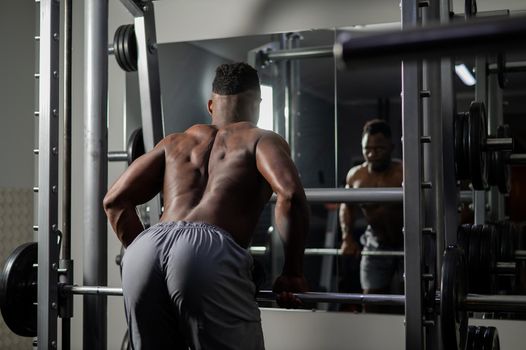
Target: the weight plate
pixel 18 290
pixel 125 53
pixel 501 71
pixel 485 269
pixel 471 337
pixel 453 319
pixel 473 259
pixel 503 168
pixel 479 338
pixel 460 162
pixel 118 48
pixel 465 142
pixel 492 234
pixel 491 339
pixel 130 48
pixel 477 141
pixel 135 147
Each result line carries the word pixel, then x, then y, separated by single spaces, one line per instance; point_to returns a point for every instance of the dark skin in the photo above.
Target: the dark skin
pixel 386 220
pixel 222 174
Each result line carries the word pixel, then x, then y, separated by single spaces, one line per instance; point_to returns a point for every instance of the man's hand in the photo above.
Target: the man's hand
pixel 285 286
pixel 350 247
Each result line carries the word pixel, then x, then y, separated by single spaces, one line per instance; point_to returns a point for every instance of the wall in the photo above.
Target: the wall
pixel 17 102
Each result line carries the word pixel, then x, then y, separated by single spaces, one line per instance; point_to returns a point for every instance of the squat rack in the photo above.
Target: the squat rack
pixel 96 29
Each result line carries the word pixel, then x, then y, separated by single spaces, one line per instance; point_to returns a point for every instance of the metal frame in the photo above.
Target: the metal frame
pixel 48 112
pixel 95 240
pixel 149 82
pixel 481 95
pixel 412 178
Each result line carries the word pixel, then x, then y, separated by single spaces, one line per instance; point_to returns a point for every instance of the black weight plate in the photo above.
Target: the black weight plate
pixel 18 290
pixel 135 147
pixel 453 319
pixel 465 142
pixel 491 339
pixel 479 338
pixel 460 162
pixel 130 48
pixel 501 70
pixel 125 52
pixel 473 259
pixel 477 141
pixel 117 47
pixel 492 234
pixel 506 250
pixel 502 157
pixel 471 337
pixel 485 268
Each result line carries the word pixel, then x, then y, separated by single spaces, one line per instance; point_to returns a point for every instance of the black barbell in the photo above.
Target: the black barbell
pixel 134 149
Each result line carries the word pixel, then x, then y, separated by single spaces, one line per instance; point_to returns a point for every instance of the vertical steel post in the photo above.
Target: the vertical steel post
pixel 95 170
pixel 293 87
pixel 448 111
pixel 48 143
pixel 149 83
pixel 66 311
pixel 412 158
pixel 433 169
pixel 481 95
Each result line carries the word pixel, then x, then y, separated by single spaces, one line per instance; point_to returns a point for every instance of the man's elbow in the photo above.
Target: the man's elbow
pixel 111 203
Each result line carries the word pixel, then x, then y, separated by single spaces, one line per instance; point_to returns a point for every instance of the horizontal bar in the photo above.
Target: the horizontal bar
pixel 506 267
pixel 520 254
pixel 499 144
pixel 473 302
pixel 500 303
pixel 117 156
pixel 349 195
pixel 517 158
pixel 91 290
pixel 488 36
pixel 369 299
pixel 510 67
pixel 299 53
pixel 260 250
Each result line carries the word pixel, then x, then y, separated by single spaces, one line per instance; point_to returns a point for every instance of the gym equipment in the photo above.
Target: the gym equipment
pixel 480 158
pixel 483 338
pixel 134 149
pixel 125 47
pixel 19 281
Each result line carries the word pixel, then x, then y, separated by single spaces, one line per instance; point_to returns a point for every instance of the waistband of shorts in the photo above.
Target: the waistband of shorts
pixel 192 224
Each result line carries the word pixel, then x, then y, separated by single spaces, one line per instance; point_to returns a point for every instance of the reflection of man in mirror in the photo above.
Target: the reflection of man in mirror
pixel 378 274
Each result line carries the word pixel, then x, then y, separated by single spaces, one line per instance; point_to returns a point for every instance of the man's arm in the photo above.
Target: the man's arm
pixel 141 181
pixel 292 214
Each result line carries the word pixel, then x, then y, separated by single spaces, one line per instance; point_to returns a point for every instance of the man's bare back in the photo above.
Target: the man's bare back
pixel 211 176
pixel 386 220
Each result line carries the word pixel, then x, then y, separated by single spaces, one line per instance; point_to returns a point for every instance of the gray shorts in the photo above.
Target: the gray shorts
pixel 188 285
pixel 380 272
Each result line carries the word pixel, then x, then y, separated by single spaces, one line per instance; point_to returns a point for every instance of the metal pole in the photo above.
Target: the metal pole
pixel 293 40
pixel 65 253
pixel 301 53
pixel 117 156
pixel 48 141
pixel 518 159
pixel 510 67
pixel 95 170
pixel 413 215
pixel 435 41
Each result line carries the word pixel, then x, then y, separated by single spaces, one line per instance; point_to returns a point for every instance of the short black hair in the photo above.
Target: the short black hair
pixel 376 126
pixel 235 78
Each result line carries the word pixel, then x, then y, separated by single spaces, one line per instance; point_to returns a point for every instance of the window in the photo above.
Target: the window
pixel 266 110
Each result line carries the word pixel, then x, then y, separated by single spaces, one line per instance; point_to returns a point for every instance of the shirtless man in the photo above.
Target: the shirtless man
pixel 385 221
pixel 187 280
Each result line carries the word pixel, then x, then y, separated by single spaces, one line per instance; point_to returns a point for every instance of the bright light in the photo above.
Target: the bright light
pixel 266 110
pixel 465 75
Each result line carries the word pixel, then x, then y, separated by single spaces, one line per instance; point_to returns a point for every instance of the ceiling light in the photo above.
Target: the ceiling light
pixel 464 74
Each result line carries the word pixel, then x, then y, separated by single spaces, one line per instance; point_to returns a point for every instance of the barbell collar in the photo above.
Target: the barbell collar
pixel 117 156
pixel 499 144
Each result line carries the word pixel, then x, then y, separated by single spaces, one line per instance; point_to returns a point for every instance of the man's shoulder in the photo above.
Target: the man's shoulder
pixel 355 172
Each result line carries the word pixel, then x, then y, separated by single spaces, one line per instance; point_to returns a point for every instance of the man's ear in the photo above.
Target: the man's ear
pixel 210 107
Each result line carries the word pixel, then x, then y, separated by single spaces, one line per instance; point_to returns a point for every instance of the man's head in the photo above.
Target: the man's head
pixel 377 145
pixel 236 94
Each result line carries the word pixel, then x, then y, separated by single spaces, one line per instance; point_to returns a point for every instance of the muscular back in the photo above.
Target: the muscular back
pixel 210 175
